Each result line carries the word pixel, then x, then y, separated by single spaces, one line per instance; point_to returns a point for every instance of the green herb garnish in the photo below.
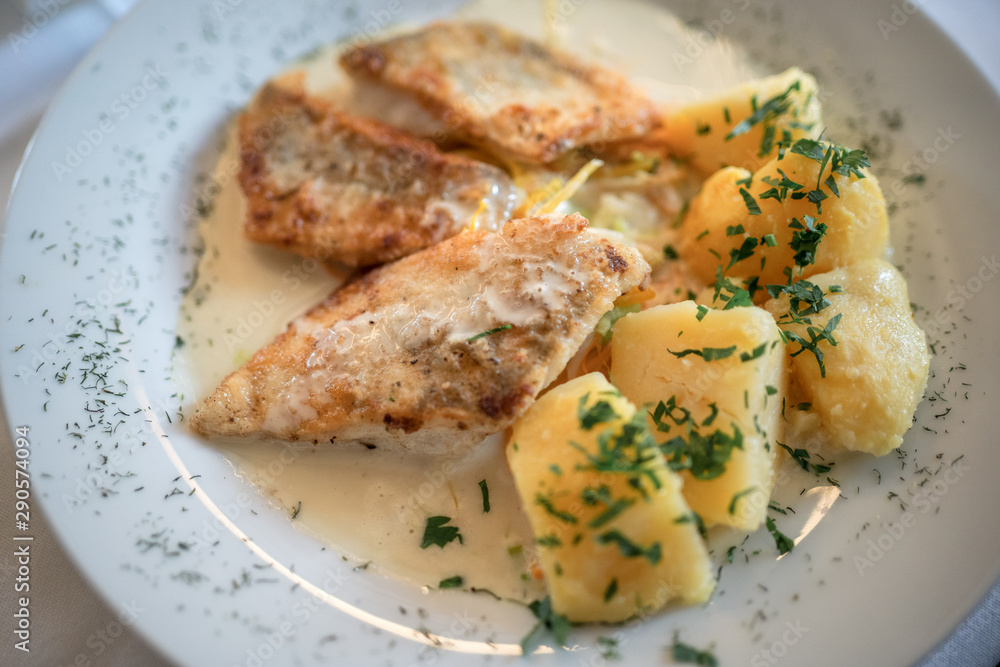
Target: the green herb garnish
pixel 486 495
pixel 682 652
pixel 437 533
pixel 502 327
pixel 782 541
pixel 599 413
pixel 706 353
pixel 628 548
pixel 547 620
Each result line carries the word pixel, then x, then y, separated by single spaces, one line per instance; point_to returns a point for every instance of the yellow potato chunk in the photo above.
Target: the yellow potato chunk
pixel 875 375
pixel 786 102
pixel 726 371
pixel 614 533
pixel 856 220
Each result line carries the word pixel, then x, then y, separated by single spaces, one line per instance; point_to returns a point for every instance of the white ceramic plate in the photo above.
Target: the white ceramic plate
pixel 98 249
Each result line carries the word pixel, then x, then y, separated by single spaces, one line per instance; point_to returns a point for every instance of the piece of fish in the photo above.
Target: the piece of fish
pixel 519 98
pixel 438 350
pixel 329 185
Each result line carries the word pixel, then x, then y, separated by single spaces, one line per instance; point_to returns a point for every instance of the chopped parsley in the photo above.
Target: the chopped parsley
pixel 610 591
pixel 629 450
pixel 682 652
pixel 699 450
pixel 695 518
pixel 842 161
pixel 555 623
pixel 779 188
pixel 628 548
pixel 805 239
pixel 484 334
pixel 437 533
pixel 737 496
pixel 599 413
pixel 805 299
pixel 548 541
pixel 757 353
pixel 752 206
pixel 782 541
pixel 615 507
pixel 707 353
pixel 816 336
pixel 546 503
pixel 486 495
pixel 745 251
pixel 451 582
pixel 609 648
pixel 802 457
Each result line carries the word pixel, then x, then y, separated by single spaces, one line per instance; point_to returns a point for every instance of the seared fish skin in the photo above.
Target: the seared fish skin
pixel 512 94
pixel 333 186
pixel 436 351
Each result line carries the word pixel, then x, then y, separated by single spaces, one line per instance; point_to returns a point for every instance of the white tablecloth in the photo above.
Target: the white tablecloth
pixel 70 621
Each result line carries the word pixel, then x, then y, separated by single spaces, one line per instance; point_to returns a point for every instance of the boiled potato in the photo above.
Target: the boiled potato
pixel 857 222
pixel 876 374
pixel 736 374
pixel 699 131
pixel 608 550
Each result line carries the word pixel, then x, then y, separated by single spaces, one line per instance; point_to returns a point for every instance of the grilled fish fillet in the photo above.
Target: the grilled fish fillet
pixel 333 186
pixel 514 95
pixel 436 351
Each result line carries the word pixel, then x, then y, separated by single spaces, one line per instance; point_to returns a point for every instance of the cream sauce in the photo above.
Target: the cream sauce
pixel 371 505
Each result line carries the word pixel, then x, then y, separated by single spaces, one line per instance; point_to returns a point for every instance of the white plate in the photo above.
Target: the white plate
pixel 97 251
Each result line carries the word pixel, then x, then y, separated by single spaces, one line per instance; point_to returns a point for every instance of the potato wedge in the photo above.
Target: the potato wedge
pixel 875 375
pixel 857 224
pixel 726 372
pixel 615 535
pixel 786 102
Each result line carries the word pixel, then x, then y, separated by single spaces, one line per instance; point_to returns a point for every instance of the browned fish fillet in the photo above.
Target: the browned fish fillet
pixel 518 97
pixel 329 185
pixel 437 350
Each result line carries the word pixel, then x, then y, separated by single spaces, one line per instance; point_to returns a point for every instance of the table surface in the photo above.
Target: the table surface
pixel 70 622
